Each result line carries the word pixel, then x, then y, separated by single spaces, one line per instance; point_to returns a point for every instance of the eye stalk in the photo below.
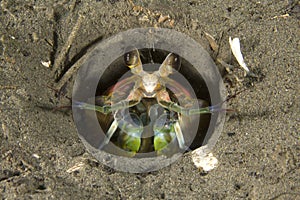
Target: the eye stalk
pixel 171 62
pixel 133 61
pixel 150 80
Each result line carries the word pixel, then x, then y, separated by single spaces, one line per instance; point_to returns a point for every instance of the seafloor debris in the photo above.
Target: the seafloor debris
pixel 212 42
pixel 236 50
pixel 76 167
pixel 46 63
pixel 204 159
pixel 202 156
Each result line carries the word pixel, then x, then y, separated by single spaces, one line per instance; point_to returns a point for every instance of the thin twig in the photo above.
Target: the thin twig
pixel 68 44
pixel 8 87
pixel 70 72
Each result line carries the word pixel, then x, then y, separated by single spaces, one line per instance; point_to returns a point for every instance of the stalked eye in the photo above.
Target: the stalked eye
pixel 173 60
pixel 171 63
pixel 133 61
pixel 132 58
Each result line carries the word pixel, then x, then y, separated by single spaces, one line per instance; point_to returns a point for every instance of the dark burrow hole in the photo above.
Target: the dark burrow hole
pixel 117 69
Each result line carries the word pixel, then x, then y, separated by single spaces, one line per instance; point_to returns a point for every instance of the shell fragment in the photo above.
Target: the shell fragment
pixel 236 50
pixel 204 159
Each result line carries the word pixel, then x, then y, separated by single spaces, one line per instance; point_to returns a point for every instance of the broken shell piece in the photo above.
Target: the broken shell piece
pixel 163 18
pixel 171 23
pixel 36 156
pixel 236 50
pixel 144 18
pixel 212 42
pixel 46 63
pixel 76 167
pixel 204 160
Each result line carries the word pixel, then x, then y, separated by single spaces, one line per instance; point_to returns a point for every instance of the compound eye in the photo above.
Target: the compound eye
pixel 173 60
pixel 171 63
pixel 132 58
pixel 133 61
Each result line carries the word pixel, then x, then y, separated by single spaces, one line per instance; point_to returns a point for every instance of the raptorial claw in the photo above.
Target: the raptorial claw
pixel 172 106
pixel 131 128
pixel 130 143
pixel 179 136
pixel 163 132
pixel 112 129
pixel 103 109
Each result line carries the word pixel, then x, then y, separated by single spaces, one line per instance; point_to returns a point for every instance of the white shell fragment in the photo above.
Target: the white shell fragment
pixel 204 160
pixel 36 156
pixel 46 63
pixel 236 50
pixel 76 167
